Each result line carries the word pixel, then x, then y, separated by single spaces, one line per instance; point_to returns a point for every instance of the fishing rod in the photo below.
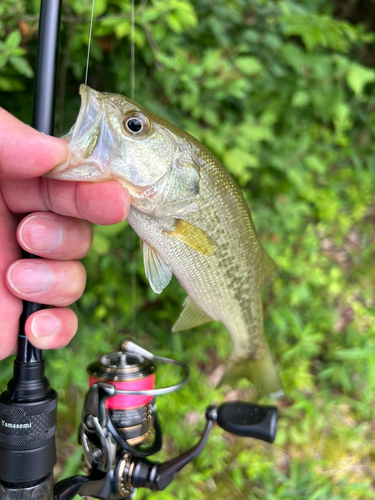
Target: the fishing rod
pixel 119 429
pixel 28 408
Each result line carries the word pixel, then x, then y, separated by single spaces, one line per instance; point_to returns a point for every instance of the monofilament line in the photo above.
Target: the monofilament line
pixel 132 96
pixel 132 69
pixel 89 44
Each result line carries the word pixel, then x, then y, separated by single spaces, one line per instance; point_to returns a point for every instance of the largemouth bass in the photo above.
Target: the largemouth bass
pixel 191 217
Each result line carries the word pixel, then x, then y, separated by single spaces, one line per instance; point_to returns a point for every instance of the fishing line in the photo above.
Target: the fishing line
pixel 132 96
pixel 89 44
pixel 132 71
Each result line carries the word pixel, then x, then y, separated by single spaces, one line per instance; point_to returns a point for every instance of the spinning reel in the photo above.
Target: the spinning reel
pixel 119 419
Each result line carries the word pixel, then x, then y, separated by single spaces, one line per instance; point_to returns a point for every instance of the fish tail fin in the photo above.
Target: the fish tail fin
pixel 261 372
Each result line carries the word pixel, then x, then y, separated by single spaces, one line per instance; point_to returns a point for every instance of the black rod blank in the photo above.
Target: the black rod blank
pixel 43 120
pixel 46 66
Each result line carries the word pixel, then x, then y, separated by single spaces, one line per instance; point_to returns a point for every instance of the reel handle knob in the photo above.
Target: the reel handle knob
pixel 248 420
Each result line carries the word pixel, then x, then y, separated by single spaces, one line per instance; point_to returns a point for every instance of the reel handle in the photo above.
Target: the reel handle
pixel 248 420
pixel 243 419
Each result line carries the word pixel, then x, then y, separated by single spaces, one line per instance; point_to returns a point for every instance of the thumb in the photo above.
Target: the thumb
pixel 25 152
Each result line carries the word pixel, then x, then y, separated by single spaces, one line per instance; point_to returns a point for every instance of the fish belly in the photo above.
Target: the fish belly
pixel 225 285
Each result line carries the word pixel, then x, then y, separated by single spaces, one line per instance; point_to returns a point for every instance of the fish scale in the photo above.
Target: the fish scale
pixel 191 217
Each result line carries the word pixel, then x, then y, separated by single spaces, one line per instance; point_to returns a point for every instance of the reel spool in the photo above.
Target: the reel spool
pixel 132 415
pixel 120 408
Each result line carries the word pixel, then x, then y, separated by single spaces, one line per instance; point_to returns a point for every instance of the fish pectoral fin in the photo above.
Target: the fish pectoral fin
pixel 268 264
pixel 260 371
pixel 158 273
pixel 191 316
pixel 193 237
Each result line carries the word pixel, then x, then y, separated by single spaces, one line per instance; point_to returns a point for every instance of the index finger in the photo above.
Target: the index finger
pixel 25 152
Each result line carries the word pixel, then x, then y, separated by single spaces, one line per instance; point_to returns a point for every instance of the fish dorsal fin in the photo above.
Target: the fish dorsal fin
pixel 193 237
pixel 158 273
pixel 191 316
pixel 269 266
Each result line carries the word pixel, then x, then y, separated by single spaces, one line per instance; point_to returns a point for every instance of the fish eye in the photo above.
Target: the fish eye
pixel 136 124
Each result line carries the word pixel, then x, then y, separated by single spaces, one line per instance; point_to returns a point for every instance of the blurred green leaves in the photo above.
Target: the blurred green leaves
pixel 283 94
pixel 358 76
pixel 13 63
pixel 324 31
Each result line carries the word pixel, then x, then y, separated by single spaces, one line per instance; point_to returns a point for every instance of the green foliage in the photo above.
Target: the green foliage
pixel 12 61
pixel 282 93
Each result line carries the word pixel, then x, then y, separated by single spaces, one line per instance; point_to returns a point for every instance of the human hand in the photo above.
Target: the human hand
pixel 58 231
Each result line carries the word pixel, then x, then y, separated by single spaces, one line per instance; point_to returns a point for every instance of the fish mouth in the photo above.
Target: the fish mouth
pixel 94 142
pixel 90 141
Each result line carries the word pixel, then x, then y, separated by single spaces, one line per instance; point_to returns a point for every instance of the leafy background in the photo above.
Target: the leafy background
pixel 283 93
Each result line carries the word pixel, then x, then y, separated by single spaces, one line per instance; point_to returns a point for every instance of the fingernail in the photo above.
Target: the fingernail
pixel 126 203
pixel 60 149
pixel 29 277
pixel 41 234
pixel 44 325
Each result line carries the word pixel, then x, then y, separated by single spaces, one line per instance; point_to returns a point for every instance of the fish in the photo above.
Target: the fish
pixel 191 218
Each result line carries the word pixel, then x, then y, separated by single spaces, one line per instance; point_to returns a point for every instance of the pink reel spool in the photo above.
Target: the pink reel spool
pixel 133 414
pixel 122 402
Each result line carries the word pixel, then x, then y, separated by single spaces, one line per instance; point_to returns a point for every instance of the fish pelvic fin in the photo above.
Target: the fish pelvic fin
pixel 158 273
pixel 191 316
pixel 261 372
